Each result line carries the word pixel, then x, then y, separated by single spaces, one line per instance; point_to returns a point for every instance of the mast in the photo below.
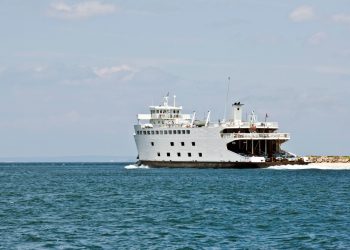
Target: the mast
pixel 228 89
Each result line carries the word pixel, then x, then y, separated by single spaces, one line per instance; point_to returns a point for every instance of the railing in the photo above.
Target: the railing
pixel 257 136
pixel 170 116
pixel 163 116
pixel 260 124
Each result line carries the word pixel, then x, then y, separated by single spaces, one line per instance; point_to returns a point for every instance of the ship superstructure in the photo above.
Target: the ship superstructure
pixel 168 138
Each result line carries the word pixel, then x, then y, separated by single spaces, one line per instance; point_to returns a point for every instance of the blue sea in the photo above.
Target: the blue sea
pixel 118 206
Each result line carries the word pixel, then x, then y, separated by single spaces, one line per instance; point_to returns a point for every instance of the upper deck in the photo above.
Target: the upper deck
pixel 170 116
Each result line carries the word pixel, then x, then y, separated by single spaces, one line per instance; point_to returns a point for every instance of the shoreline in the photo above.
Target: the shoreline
pixel 329 159
pixel 330 164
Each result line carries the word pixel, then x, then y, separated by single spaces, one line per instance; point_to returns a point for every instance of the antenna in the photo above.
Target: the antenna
pixel 228 90
pixel 208 119
pixel 193 117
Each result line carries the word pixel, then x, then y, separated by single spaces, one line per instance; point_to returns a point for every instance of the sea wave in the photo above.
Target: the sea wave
pixel 135 166
pixel 321 166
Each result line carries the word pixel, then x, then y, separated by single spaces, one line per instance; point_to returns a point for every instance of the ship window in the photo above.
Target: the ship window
pixel 174 131
pixel 179 132
pixel 148 132
pixel 187 131
pixel 157 132
pixel 182 143
pixel 168 154
pixel 158 154
pixel 200 154
pixel 189 154
pixel 170 132
pixel 183 132
pixel 152 132
pixel 165 132
pixel 152 143
pixel 179 154
pixel 161 132
pixel 172 143
pixel 193 143
pixel 144 132
pixel 157 111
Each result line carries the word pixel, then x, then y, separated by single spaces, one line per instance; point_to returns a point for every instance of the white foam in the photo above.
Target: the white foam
pixel 134 166
pixel 322 166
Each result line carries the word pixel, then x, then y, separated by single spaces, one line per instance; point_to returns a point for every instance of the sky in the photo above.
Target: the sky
pixel 74 74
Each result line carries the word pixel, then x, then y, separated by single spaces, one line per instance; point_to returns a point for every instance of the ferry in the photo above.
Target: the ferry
pixel 168 138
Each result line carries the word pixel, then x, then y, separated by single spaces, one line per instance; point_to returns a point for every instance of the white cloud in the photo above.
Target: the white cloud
pixel 317 38
pixel 80 10
pixel 302 14
pixel 108 71
pixel 341 18
pixel 334 70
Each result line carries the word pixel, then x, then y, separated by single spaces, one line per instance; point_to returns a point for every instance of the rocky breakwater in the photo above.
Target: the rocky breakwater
pixel 329 159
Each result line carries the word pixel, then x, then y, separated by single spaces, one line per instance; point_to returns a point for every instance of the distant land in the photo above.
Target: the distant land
pixel 106 158
pixel 329 159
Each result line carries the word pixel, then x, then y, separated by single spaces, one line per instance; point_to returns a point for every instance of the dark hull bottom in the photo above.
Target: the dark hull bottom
pixel 183 164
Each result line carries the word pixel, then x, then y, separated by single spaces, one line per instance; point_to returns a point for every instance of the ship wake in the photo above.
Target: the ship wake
pixel 320 166
pixel 135 166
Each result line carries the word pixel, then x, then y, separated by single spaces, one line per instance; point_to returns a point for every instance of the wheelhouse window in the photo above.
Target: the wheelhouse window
pixel 144 132
pixel 183 132
pixel 187 131
pixel 157 132
pixel 174 131
pixel 165 132
pixel 161 132
pixel 152 132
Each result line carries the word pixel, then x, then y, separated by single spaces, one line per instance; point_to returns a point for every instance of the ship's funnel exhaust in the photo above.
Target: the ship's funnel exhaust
pixel 237 112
